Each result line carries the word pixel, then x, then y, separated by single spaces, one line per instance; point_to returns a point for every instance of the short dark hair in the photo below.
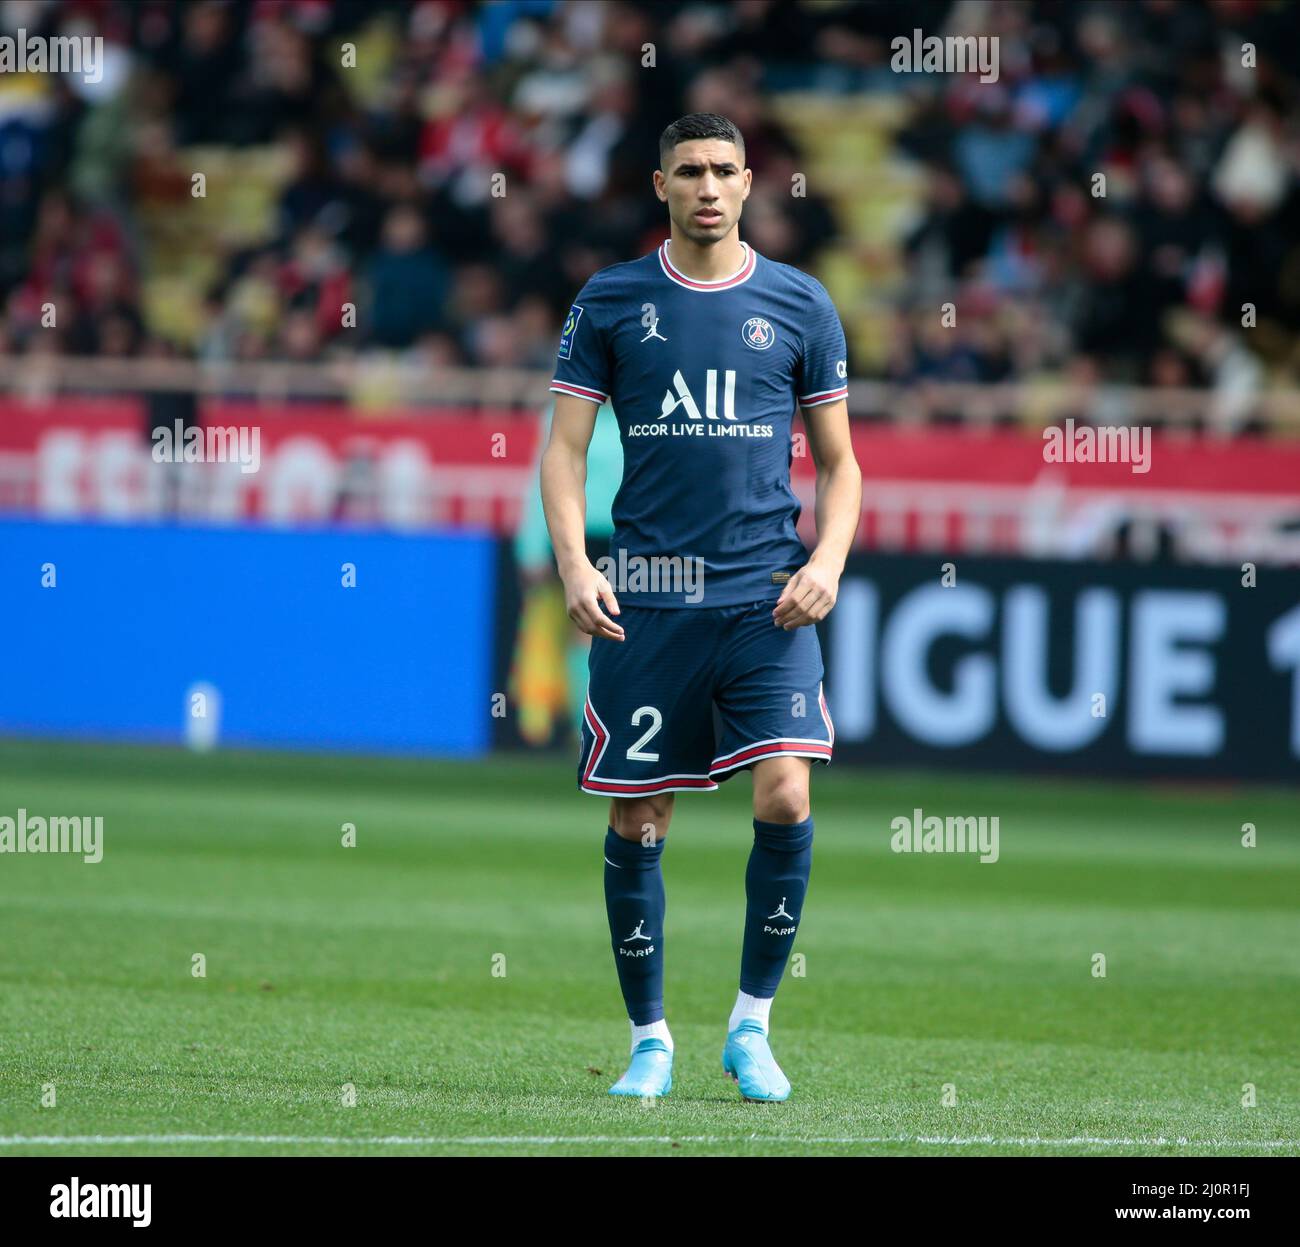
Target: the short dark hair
pixel 700 126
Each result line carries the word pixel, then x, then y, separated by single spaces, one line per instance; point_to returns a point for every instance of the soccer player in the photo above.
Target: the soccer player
pixel 704 348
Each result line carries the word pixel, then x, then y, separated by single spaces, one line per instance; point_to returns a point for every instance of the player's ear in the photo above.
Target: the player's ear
pixel 658 179
pixel 749 181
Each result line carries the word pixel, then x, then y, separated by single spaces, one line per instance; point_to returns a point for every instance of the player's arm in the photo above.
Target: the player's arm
pixel 564 500
pixel 811 592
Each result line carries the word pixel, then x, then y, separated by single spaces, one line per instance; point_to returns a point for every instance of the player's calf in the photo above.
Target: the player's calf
pixel 776 882
pixel 634 905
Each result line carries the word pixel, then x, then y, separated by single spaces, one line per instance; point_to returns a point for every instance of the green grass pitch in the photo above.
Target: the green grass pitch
pixel 372 966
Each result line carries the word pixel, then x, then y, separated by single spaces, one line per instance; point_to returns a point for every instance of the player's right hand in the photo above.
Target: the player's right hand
pixel 584 591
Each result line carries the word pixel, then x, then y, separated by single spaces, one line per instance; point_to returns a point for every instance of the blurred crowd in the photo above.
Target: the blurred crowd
pixel 460 176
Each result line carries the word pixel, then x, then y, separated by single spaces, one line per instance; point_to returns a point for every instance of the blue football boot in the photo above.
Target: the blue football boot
pixel 650 1073
pixel 749 1061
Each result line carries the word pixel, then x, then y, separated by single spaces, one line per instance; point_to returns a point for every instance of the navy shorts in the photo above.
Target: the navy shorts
pixel 693 695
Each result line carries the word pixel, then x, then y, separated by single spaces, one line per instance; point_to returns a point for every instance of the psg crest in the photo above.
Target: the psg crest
pixel 758 333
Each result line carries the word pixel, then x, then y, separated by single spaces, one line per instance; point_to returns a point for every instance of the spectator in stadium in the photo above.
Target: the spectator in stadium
pixel 408 281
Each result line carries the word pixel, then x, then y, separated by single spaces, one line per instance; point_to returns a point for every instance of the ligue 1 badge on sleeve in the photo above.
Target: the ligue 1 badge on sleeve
pixel 570 328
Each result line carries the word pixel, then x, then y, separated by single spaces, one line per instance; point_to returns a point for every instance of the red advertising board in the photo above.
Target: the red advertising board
pixel 945 489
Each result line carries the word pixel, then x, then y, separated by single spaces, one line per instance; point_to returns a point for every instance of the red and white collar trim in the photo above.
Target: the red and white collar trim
pixel 742 274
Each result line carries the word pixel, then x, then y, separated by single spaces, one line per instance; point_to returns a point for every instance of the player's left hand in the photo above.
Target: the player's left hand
pixel 808 597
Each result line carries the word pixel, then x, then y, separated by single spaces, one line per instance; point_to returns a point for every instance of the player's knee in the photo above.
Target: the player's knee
pixel 633 818
pixel 781 798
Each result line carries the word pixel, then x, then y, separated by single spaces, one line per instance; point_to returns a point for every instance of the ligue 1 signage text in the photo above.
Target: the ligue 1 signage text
pixel 1089 667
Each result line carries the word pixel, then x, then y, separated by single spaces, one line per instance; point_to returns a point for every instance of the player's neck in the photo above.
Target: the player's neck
pixel 714 262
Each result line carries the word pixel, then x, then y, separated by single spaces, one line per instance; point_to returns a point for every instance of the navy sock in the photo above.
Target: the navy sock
pixel 634 901
pixel 775 883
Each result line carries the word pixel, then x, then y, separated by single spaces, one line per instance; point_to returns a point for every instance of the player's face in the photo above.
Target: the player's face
pixel 705 186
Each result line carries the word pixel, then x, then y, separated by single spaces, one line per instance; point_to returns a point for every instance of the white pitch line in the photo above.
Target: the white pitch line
pixel 116 1140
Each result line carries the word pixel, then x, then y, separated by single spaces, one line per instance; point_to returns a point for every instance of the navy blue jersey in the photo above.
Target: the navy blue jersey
pixel 704 378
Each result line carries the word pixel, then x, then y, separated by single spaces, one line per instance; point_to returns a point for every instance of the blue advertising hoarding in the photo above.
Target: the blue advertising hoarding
pixel 320 639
